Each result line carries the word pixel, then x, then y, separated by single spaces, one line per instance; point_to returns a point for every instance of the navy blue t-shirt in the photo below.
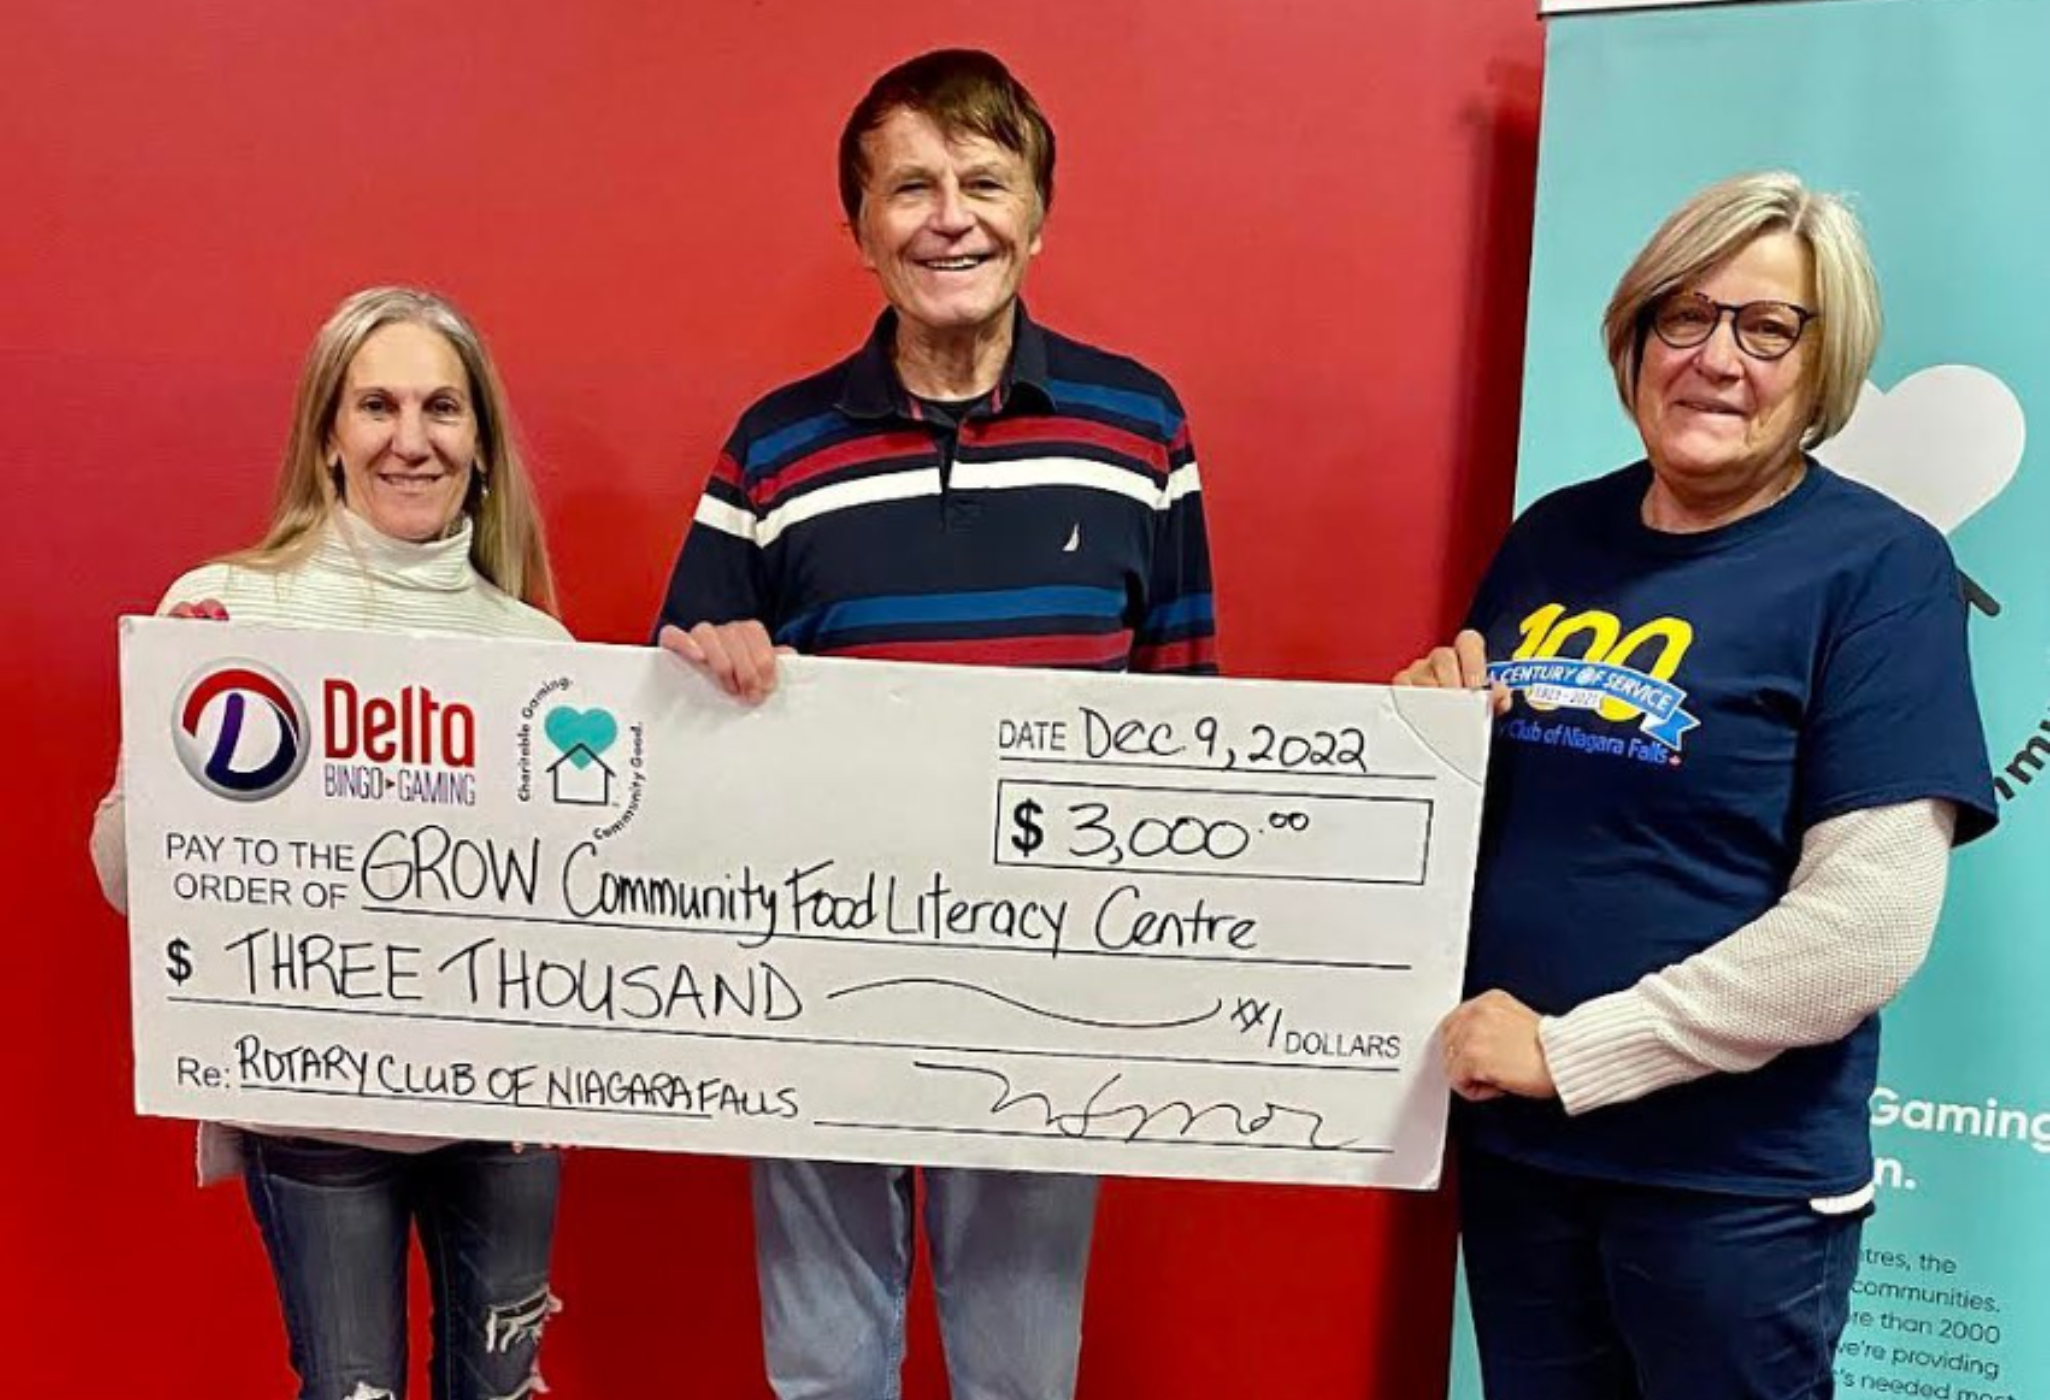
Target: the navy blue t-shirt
pixel 1687 706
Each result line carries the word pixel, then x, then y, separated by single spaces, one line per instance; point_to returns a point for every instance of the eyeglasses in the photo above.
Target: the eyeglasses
pixel 1766 330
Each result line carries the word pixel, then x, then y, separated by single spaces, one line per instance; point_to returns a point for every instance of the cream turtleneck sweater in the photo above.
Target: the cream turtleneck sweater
pixel 354 578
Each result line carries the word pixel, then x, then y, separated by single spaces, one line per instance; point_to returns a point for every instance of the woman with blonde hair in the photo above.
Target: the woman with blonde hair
pixel 402 506
pixel 1735 742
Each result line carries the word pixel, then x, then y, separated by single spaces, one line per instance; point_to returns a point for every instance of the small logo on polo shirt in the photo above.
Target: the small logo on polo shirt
pixel 1074 540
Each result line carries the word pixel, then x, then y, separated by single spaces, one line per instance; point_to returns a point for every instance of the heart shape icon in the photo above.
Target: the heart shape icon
pixel 581 734
pixel 1943 442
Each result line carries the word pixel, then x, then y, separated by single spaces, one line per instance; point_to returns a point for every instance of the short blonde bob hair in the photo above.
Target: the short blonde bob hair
pixel 1713 227
pixel 507 545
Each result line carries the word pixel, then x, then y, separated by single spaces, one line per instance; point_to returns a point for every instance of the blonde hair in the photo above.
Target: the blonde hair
pixel 507 544
pixel 1714 226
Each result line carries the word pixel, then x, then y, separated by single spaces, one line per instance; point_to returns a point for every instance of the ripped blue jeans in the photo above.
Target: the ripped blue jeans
pixel 336 1221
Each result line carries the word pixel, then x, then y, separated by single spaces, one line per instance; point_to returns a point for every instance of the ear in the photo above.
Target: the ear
pixel 868 259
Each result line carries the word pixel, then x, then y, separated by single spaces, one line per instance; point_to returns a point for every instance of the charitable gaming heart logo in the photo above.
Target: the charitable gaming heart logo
pixel 581 734
pixel 1943 442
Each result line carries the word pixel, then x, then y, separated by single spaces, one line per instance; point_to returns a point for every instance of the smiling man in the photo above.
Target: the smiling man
pixel 968 487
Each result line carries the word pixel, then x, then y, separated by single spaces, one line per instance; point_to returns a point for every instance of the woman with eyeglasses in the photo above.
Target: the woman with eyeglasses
pixel 1735 742
pixel 402 506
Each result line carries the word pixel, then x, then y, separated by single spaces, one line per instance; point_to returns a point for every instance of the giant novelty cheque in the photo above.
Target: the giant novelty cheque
pixel 564 893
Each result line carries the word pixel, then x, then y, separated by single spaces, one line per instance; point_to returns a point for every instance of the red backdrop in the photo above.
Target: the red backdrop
pixel 1313 216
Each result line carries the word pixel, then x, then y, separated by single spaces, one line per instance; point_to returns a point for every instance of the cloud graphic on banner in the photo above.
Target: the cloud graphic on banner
pixel 1943 442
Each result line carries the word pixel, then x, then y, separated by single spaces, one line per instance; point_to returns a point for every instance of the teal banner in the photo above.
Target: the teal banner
pixel 1930 115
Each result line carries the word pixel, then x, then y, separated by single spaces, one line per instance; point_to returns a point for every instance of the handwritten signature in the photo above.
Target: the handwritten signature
pixel 1132 1118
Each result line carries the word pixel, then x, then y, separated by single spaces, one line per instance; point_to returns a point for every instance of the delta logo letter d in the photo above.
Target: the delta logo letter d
pixel 240 731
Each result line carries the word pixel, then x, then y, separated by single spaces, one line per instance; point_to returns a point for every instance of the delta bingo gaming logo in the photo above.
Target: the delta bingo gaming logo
pixel 240 731
pixel 243 733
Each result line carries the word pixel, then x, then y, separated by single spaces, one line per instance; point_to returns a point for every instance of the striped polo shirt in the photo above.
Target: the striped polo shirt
pixel 1058 524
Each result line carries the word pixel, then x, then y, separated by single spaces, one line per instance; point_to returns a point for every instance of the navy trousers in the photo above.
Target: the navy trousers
pixel 1585 1289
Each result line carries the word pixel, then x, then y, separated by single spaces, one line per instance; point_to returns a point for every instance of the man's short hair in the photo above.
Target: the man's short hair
pixel 965 92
